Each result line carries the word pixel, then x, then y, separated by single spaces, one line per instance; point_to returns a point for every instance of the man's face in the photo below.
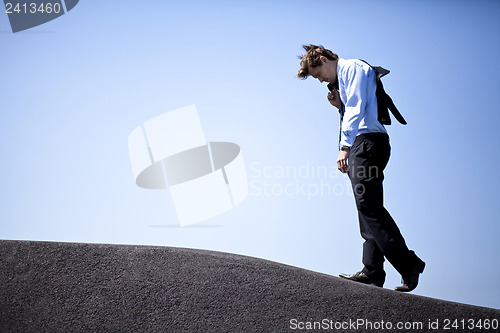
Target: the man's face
pixel 326 72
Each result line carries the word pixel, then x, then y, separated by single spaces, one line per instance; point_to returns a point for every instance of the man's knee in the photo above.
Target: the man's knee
pixel 368 202
pixel 359 190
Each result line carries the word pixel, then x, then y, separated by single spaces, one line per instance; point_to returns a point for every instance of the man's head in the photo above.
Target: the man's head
pixel 318 62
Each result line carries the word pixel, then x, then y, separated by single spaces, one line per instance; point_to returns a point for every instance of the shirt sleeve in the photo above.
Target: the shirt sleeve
pixel 355 91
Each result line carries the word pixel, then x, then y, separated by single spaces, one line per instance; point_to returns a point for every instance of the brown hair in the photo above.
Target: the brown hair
pixel 312 58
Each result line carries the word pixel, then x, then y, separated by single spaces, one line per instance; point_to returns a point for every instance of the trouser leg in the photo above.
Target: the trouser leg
pixel 373 259
pixel 368 158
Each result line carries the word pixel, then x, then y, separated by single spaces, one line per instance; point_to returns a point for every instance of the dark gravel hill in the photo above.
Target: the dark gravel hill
pixel 70 287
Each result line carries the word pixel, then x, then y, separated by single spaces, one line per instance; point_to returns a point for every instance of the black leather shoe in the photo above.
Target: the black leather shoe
pixel 361 278
pixel 410 281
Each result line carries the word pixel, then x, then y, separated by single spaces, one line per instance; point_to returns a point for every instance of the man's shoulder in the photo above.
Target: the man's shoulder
pixel 352 65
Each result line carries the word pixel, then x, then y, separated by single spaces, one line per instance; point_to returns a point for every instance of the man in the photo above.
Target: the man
pixel 364 153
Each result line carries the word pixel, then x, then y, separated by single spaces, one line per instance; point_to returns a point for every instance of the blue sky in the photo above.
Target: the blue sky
pixel 74 88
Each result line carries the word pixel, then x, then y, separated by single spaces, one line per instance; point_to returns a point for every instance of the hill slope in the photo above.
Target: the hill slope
pixel 70 287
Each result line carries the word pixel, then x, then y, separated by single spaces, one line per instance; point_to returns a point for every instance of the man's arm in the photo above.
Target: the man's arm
pixel 355 90
pixel 334 98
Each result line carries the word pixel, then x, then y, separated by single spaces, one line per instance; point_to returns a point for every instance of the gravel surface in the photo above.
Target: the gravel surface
pixel 72 287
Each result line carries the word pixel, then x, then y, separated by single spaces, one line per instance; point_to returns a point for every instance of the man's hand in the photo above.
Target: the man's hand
pixel 342 161
pixel 334 98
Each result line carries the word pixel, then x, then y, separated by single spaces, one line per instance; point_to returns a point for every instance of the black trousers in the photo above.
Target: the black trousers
pixel 368 158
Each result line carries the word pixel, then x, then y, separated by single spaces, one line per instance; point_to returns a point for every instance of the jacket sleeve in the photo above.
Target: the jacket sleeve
pixel 355 85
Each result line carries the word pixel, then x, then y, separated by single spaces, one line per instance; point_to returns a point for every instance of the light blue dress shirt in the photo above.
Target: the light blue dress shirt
pixel 357 87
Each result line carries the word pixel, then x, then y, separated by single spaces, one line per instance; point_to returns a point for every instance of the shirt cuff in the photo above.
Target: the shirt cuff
pixel 346 141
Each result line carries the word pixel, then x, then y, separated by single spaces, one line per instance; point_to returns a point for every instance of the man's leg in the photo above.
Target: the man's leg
pixel 369 156
pixel 373 259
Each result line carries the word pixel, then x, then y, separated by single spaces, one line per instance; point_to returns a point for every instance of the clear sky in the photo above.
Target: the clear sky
pixel 74 88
